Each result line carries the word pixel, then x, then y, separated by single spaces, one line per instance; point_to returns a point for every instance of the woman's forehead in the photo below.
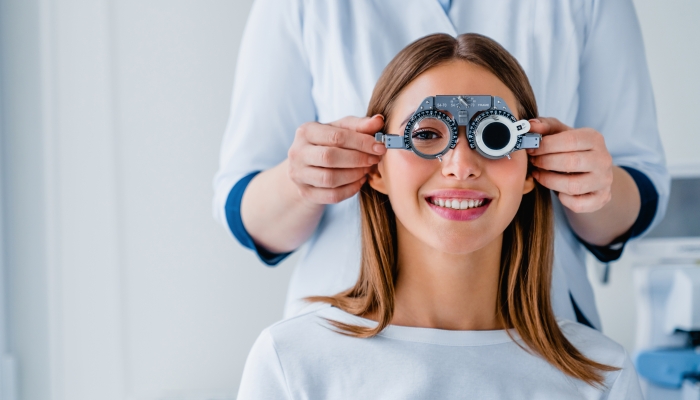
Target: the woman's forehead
pixel 453 78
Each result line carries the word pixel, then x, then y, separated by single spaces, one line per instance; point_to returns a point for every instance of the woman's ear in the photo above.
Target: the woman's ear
pixel 376 180
pixel 529 184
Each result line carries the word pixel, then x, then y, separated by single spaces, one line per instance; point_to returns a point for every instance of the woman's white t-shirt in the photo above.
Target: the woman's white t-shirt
pixel 306 358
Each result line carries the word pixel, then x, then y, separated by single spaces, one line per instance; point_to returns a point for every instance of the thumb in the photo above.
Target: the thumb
pixel 547 126
pixel 370 125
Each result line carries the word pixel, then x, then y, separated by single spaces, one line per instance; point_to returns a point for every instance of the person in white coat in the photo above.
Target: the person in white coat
pixel 453 298
pixel 296 149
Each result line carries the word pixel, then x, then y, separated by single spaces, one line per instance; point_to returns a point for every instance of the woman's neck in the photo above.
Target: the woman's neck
pixel 446 291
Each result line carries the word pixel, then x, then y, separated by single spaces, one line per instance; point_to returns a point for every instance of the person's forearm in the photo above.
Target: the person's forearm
pixel 274 213
pixel 601 227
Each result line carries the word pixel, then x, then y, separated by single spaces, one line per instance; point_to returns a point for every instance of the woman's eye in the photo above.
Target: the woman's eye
pixel 426 134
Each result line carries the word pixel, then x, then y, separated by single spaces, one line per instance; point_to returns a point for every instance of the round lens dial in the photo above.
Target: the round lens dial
pixel 430 136
pixel 493 133
pixel 430 133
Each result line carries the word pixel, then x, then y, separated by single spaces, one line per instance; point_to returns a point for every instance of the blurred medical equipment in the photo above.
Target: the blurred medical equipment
pixel 492 130
pixel 667 285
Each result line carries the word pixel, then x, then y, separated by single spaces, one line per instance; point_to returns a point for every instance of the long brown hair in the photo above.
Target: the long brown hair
pixel 523 300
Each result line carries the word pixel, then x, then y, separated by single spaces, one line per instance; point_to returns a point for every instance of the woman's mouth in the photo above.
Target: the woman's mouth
pixel 457 204
pixel 458 209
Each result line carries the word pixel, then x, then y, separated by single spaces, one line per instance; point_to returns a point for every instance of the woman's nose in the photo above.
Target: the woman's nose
pixel 461 162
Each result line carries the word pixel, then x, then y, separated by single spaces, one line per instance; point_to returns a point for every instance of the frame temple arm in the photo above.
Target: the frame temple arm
pixel 389 140
pixel 530 141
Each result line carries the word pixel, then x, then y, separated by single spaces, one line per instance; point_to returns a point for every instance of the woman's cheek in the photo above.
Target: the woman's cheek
pixel 405 190
pixel 512 170
pixel 509 176
pixel 411 170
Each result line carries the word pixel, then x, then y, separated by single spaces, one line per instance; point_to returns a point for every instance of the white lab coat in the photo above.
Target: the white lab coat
pixel 306 60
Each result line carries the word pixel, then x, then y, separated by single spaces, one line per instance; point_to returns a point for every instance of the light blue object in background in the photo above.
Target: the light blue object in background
pixel 668 367
pixel 667 283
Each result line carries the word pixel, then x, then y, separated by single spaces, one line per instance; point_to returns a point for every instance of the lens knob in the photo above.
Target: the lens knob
pixel 493 133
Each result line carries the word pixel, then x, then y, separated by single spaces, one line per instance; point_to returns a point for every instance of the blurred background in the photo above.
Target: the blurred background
pixel 116 282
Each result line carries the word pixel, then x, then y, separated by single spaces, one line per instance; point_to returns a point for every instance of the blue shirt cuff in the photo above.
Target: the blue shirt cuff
pixel 235 222
pixel 649 202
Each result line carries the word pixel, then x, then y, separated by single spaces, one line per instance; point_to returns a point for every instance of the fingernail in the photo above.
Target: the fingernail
pixel 378 115
pixel 373 160
pixel 535 120
pixel 378 147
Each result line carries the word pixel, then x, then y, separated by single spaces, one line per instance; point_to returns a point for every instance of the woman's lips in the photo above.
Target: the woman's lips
pixel 459 209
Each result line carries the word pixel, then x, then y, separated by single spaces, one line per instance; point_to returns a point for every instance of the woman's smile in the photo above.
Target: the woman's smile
pixel 458 205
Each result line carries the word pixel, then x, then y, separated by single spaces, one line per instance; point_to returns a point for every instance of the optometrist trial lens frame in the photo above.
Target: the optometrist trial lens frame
pixel 492 130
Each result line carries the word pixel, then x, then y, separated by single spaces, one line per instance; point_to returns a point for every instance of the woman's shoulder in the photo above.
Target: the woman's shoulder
pixel 302 343
pixel 284 347
pixel 593 344
pixel 622 383
pixel 303 319
pixel 310 328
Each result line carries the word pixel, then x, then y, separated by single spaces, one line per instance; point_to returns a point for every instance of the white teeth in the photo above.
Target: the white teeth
pixel 458 204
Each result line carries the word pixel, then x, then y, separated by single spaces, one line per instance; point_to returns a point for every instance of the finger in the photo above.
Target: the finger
pixel 335 157
pixel 585 203
pixel 332 136
pixel 567 141
pixel 571 184
pixel 368 125
pixel 331 177
pixel 547 126
pixel 331 196
pixel 578 161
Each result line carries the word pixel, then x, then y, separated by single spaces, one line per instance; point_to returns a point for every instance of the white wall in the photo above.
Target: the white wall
pixel 122 285
pixel 671 36
pixel 7 379
pixel 24 194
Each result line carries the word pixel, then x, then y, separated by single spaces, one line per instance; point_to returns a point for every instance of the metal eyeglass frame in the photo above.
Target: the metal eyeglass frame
pixel 475 112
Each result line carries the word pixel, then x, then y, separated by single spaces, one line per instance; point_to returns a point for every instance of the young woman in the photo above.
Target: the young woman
pixel 451 302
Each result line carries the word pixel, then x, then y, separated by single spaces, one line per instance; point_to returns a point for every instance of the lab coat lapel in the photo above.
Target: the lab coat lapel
pixel 443 18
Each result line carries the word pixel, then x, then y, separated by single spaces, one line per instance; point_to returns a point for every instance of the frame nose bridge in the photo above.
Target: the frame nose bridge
pixel 462 154
pixel 462 140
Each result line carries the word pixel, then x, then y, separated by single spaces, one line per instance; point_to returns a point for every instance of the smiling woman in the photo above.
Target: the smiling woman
pixel 456 268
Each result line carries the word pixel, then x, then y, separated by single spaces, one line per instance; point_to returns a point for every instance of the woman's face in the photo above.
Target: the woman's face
pixel 420 190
